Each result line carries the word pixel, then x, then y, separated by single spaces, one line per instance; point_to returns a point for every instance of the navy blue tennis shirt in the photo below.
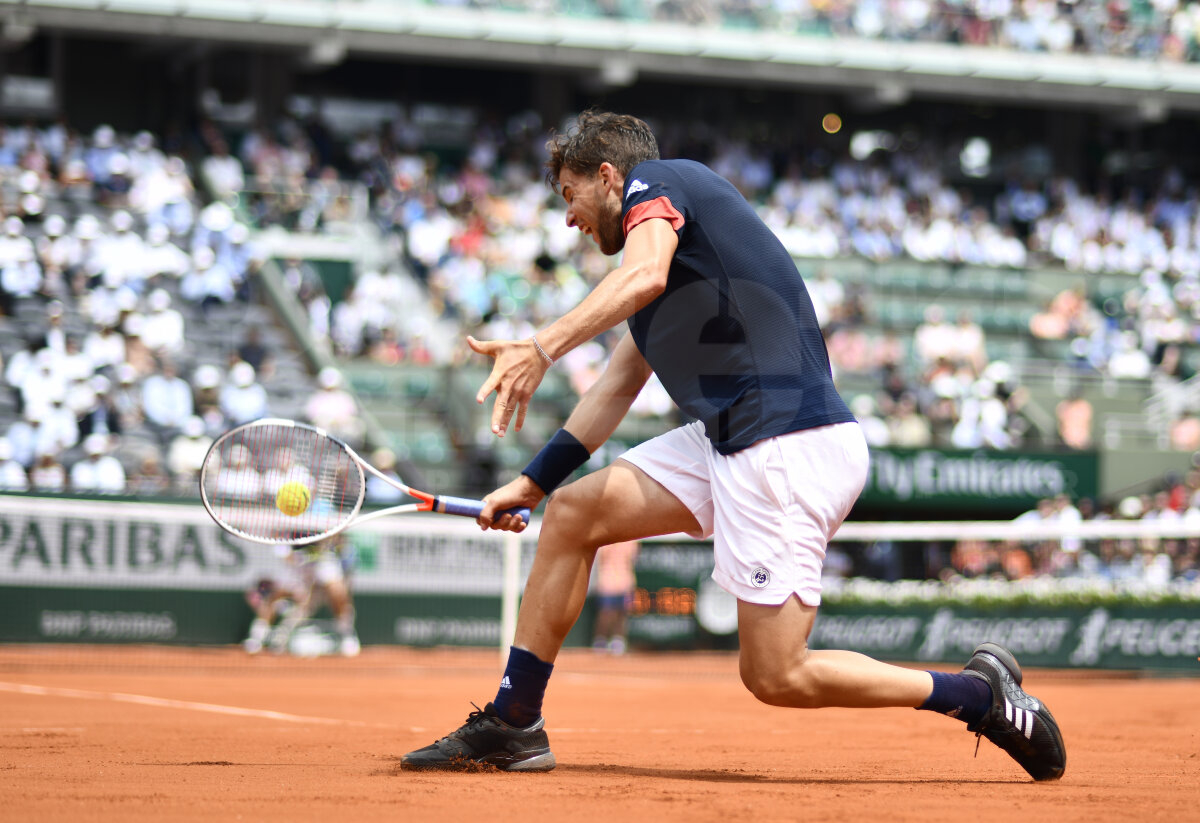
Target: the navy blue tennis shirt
pixel 733 338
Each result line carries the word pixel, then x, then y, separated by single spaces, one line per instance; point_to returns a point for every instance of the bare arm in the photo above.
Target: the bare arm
pixel 641 277
pixel 605 404
pixel 519 367
pixel 592 422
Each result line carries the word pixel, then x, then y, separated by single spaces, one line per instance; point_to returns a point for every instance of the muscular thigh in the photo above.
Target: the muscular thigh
pixel 618 503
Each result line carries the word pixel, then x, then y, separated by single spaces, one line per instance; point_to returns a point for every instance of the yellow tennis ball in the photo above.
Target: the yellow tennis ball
pixel 293 498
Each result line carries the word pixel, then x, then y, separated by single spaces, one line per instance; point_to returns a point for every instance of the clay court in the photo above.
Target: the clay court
pixel 166 734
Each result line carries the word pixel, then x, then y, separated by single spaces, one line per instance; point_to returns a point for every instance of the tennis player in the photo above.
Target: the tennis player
pixel 772 464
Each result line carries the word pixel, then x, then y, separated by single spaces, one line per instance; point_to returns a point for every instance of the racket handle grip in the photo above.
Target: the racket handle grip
pixel 465 507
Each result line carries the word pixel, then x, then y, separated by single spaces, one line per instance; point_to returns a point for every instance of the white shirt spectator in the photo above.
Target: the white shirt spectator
pixel 13 477
pixel 242 399
pixel 333 408
pixel 61 428
pixel 164 196
pixel 1128 360
pixel 74 363
pixel 208 279
pixel 167 398
pixel 19 366
pixel 163 326
pixel 935 338
pixel 185 455
pixel 239 479
pixel 21 277
pixel 121 256
pixel 98 472
pixel 163 256
pixel 105 347
pixel 15 247
pixel 223 173
pixel 273 479
pixel 43 385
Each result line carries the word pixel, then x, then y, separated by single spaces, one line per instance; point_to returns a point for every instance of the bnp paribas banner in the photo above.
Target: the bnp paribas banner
pixel 116 571
pixel 978 479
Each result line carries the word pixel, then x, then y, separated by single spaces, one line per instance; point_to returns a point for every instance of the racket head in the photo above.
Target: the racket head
pixel 246 468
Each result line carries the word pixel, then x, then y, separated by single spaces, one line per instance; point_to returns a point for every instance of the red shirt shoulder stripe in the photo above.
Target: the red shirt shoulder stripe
pixel 659 207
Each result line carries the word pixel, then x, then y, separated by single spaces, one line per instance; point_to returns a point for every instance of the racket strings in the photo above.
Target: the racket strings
pixel 281 482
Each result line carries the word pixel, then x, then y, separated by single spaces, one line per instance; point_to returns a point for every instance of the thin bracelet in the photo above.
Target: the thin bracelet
pixel 541 351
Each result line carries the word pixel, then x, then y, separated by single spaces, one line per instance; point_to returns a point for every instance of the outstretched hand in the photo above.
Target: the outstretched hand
pixel 517 371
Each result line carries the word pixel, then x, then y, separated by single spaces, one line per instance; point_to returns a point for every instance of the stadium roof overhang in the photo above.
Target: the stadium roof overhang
pixel 622 50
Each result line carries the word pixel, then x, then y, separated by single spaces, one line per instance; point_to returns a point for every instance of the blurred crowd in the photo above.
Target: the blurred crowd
pixel 1144 561
pixel 1147 29
pixel 111 262
pixel 491 246
pixel 123 243
pixel 1154 561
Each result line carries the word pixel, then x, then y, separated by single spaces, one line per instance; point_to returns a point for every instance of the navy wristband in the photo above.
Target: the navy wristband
pixel 561 456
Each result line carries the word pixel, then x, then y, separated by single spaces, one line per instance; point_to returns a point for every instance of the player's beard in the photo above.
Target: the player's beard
pixel 609 234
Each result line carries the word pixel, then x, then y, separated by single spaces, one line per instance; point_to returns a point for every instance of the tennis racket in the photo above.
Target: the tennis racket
pixel 279 481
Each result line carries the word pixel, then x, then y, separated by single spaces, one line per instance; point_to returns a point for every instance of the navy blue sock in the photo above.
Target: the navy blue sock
pixel 959 695
pixel 519 698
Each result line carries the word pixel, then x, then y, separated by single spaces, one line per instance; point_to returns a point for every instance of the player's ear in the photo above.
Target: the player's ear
pixel 612 178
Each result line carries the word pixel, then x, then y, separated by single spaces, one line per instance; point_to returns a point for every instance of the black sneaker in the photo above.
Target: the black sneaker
pixel 1017 722
pixel 486 741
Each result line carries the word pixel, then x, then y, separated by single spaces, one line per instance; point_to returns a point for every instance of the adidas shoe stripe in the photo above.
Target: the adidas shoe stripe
pixel 1020 718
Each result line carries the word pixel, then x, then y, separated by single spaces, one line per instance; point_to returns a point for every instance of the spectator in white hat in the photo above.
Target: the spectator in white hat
pixel 242 399
pixel 163 329
pixel 20 272
pixel 120 256
pixel 185 455
pixel 144 156
pixel 99 154
pixel 98 472
pixel 162 256
pixel 14 245
pixel 56 247
pixel 208 281
pixel 333 408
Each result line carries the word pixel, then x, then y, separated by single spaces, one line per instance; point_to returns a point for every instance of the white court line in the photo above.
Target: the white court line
pixel 266 714
pixel 166 703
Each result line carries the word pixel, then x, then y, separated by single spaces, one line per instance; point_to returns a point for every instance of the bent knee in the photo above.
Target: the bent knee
pixel 573 509
pixel 791 686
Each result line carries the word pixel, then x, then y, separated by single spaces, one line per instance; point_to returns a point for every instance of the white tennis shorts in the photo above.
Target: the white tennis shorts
pixel 770 509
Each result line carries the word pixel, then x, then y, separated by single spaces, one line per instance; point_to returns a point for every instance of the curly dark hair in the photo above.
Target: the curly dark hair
pixel 600 137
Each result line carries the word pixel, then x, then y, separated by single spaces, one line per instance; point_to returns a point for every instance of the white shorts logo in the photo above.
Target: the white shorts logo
pixel 760 577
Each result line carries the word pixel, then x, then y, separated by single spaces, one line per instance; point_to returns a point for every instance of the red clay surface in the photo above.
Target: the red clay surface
pixel 178 735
